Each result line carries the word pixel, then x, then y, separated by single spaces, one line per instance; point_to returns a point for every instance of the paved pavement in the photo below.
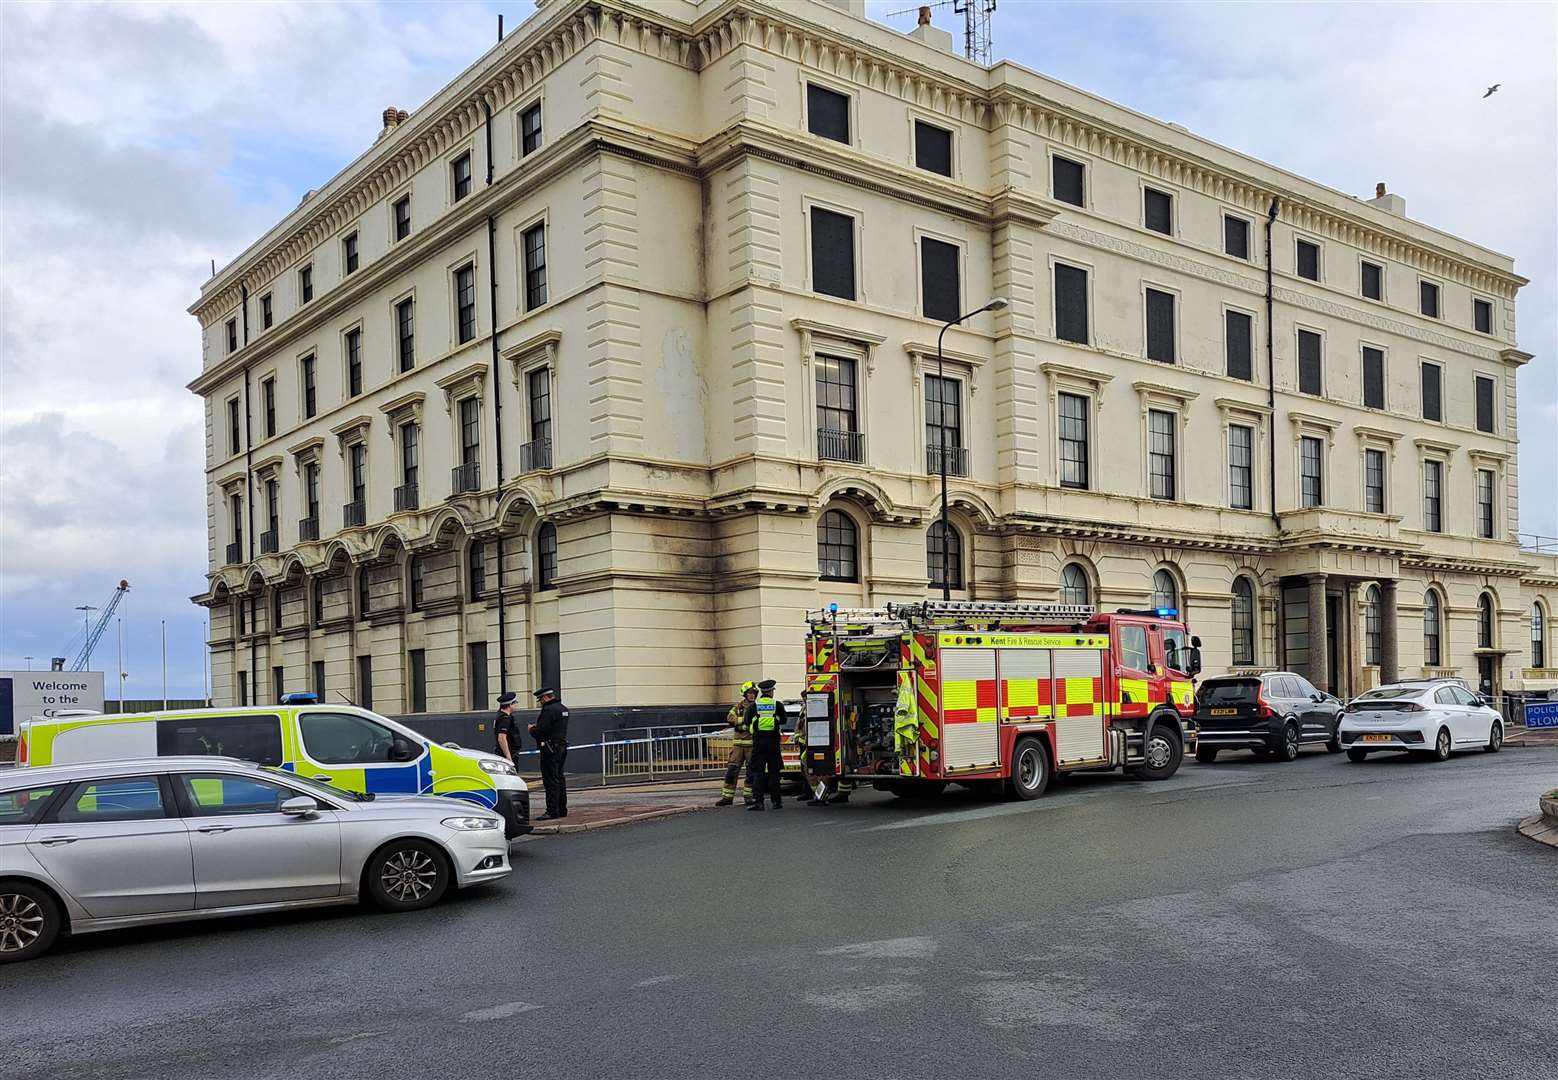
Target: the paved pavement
pixel 1320 919
pixel 595 806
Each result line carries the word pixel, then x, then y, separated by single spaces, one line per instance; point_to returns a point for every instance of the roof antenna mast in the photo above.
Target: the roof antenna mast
pixel 976 25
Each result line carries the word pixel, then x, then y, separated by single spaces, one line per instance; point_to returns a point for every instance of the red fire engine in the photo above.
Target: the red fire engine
pixel 913 696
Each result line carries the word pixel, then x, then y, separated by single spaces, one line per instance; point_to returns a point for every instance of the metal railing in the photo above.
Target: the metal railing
pixel 834 445
pixel 956 456
pixel 466 477
pixel 234 553
pixel 270 540
pixel 406 497
pixel 677 752
pixel 353 514
pixel 534 455
pixel 1539 544
pixel 308 528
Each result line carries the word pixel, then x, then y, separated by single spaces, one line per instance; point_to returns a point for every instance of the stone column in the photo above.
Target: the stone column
pixel 1319 673
pixel 1388 632
pixel 1350 650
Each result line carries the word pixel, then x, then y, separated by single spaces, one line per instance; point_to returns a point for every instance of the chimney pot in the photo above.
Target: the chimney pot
pixel 924 15
pixel 402 116
pixel 391 117
pixel 1379 190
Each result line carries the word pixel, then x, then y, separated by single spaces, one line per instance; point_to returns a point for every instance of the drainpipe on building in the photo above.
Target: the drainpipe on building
pixel 248 476
pixel 1271 373
pixel 497 396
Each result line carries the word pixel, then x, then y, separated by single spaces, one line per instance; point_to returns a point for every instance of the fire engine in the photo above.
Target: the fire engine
pixel 912 697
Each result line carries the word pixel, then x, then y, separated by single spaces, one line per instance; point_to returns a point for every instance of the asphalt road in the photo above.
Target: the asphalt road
pixel 1318 919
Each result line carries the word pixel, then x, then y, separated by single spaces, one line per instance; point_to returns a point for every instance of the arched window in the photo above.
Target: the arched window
pixel 947 538
pixel 1432 655
pixel 1074 587
pixel 546 557
pixel 1484 621
pixel 1165 591
pixel 1371 626
pixel 1538 636
pixel 1243 615
pixel 838 547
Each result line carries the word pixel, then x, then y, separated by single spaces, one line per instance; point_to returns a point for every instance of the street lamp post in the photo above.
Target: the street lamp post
pixel 941 436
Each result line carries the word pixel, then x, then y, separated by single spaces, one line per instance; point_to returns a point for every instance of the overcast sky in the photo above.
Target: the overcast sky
pixel 141 142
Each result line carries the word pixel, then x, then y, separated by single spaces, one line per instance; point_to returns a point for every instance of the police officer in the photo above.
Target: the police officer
pixel 506 729
pixel 740 748
pixel 551 734
pixel 766 717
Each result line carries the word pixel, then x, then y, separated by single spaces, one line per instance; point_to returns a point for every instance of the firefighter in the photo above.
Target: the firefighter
pixel 766 717
pixel 740 748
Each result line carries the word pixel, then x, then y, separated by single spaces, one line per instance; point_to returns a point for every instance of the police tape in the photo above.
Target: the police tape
pixel 635 742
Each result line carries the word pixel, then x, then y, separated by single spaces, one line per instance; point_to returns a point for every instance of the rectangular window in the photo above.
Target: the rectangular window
pixel 1068 180
pixel 470 430
pixel 278 680
pixel 1310 377
pixel 1485 503
pixel 1428 298
pixel 836 398
pixel 235 517
pixel 465 301
pixel 1373 377
pixel 268 398
pixel 832 253
pixel 476 668
pixel 349 251
pixel 1433 493
pixel 530 130
pixel 310 390
pixel 406 334
pixel 409 453
pixel 941 295
pixel 943 422
pixel 477 569
pixel 1241 466
pixel 243 688
pixel 932 148
pixel 311 488
pixel 538 384
pixel 365 682
pixel 1157 211
pixel 1481 316
pixel 1311 488
pixel 549 652
pixel 1236 237
pixel 319 683
pixel 1374 481
pixel 358 461
pixel 1306 260
pixel 402 217
pixel 418 680
pixel 414 582
pixel 1160 326
pixel 1071 304
pixel 1238 334
pixel 306 284
pixel 234 430
pixel 1484 396
pixel 827 113
pixel 232 335
pixel 1161 454
pixel 1433 405
pixel 267 313
pixel 534 243
pixel 460 173
pixel 1072 411
pixel 353 363
pixel 1372 280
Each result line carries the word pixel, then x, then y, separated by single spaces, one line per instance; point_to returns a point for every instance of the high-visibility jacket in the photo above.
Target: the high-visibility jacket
pixel 737 719
pixel 764 716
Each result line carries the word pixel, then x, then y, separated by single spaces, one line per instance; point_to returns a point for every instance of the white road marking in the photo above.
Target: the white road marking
pixel 656 980
pixel 886 949
pixel 959 817
pixel 339 1039
pixel 499 1012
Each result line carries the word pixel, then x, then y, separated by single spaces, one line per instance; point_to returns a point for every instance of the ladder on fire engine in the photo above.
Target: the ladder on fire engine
pixel 972 610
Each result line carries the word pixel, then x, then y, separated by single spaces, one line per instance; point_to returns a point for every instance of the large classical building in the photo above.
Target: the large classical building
pixel 608 362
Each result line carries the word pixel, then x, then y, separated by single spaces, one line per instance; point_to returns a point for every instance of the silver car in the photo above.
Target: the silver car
pixel 105 845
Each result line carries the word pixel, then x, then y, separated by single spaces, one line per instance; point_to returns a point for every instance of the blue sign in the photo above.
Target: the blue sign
pixel 1542 714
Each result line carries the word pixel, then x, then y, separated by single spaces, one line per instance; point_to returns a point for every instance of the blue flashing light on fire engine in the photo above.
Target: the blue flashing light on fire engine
pixel 833 609
pixel 1168 613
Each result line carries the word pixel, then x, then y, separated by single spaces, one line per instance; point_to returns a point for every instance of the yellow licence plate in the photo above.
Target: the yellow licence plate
pixel 1225 712
pixel 1374 738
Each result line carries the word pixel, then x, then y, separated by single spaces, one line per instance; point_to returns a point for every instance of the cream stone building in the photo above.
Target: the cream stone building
pixel 609 361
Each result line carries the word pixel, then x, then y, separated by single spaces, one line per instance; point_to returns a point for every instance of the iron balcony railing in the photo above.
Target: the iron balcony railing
pixel 956 458
pixel 308 528
pixel 841 445
pixel 406 497
pixel 534 455
pixel 466 477
pixel 269 542
pixel 354 514
pixel 234 553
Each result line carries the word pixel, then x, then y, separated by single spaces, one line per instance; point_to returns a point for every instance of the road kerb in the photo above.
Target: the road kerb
pixel 607 823
pixel 1543 827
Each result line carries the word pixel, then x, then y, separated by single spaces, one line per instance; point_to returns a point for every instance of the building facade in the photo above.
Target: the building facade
pixel 620 353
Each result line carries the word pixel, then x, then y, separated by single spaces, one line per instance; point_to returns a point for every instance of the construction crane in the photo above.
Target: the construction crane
pixel 976 25
pixel 94 632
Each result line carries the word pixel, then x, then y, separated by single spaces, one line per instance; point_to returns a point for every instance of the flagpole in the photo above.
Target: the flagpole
pixel 121 664
pixel 164 665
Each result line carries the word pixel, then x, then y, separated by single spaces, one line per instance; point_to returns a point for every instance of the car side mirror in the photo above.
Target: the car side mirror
pixel 402 750
pixel 1193 658
pixel 1316 697
pixel 300 806
pixel 1195 642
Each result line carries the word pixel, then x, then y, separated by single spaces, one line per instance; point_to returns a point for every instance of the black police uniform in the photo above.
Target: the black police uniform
pixel 507 724
pixel 551 732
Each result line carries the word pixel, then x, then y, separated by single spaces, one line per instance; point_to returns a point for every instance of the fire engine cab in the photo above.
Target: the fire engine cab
pixel 912 697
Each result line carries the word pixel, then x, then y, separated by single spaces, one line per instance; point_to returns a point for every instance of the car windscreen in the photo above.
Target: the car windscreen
pixel 1229 692
pixel 1388 693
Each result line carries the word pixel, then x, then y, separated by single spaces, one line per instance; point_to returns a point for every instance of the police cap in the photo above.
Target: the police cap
pixel 768 684
pixel 544 691
pixel 508 697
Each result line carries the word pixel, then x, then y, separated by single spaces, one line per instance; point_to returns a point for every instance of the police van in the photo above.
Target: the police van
pixel 343 745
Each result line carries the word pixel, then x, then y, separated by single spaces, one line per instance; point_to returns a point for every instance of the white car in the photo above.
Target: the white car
pixel 1431 718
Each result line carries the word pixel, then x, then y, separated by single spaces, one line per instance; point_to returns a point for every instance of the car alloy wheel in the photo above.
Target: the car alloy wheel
pixel 1495 738
pixel 1290 742
pixel 1442 745
pixel 408 875
pixel 21 922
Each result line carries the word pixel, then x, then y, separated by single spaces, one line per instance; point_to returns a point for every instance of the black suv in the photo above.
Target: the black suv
pixel 1273 713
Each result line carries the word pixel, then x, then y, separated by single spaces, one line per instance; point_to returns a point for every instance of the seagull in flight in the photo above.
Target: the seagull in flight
pixel 1491 89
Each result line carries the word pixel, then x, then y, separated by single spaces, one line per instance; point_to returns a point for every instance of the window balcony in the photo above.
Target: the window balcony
pixel 535 455
pixel 956 460
pixel 841 445
pixel 308 528
pixel 464 478
pixel 234 553
pixel 270 540
pixel 354 514
pixel 406 497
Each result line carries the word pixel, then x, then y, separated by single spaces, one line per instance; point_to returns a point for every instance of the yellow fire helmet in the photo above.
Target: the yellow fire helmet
pixel 747 686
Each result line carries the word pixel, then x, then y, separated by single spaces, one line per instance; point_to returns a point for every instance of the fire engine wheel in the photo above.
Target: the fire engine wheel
pixel 1030 770
pixel 1161 755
